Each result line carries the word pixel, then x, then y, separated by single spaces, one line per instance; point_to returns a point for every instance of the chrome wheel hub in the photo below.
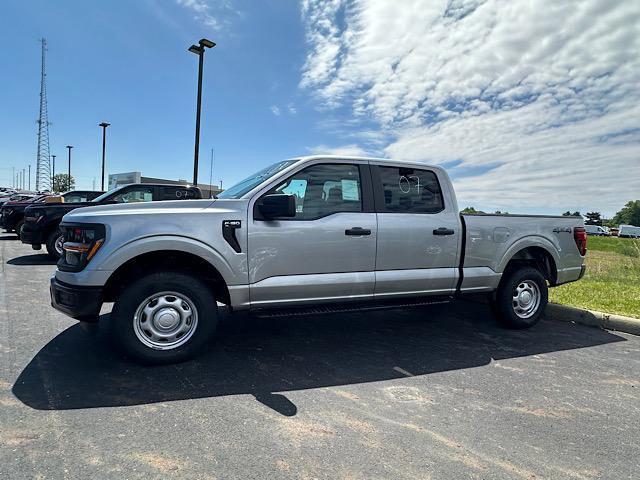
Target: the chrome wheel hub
pixel 58 244
pixel 165 320
pixel 526 299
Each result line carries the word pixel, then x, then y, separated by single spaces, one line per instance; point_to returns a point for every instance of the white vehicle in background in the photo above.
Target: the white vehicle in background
pixel 596 230
pixel 630 231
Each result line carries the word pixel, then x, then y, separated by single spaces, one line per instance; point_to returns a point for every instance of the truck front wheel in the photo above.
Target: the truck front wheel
pixel 521 298
pixel 164 317
pixel 18 229
pixel 54 243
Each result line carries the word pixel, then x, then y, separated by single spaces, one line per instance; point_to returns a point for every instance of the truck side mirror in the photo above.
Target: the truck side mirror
pixel 277 205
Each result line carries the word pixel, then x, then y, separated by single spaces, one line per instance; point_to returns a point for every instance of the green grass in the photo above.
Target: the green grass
pixel 612 281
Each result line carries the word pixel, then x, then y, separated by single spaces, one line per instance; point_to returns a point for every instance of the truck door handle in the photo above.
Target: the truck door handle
pixel 356 231
pixel 443 231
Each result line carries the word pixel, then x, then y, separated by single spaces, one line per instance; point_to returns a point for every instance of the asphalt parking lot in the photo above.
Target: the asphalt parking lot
pixel 438 392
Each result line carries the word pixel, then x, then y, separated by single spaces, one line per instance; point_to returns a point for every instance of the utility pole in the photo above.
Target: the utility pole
pixel 104 126
pixel 23 179
pixel 199 50
pixel 29 177
pixel 13 176
pixel 69 147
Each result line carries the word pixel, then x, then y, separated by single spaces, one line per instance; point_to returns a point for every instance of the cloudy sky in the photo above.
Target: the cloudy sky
pixel 534 106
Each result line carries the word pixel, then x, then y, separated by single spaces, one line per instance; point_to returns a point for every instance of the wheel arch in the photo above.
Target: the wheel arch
pixel 166 260
pixel 536 254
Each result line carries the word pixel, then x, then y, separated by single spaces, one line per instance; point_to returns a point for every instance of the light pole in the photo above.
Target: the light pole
pixel 199 50
pixel 69 147
pixel 104 126
pixel 29 177
pixel 211 177
pixel 53 172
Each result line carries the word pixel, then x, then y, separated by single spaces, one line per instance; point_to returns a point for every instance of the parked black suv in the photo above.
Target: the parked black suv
pixel 41 222
pixel 12 213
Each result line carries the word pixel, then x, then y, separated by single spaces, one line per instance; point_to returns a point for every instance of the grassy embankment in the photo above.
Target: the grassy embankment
pixel 612 281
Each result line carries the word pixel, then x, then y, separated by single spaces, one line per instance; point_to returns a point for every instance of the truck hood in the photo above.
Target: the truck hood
pixel 163 210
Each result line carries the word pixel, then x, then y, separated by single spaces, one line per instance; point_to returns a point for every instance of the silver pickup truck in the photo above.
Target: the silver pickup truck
pixel 343 232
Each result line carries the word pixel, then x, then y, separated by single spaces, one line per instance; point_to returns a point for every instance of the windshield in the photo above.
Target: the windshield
pixel 239 189
pixel 106 194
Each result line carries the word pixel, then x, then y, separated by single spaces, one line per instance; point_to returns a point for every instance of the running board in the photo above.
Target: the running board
pixel 351 307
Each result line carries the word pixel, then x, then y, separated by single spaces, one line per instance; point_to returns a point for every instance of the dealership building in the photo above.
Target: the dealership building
pixel 119 179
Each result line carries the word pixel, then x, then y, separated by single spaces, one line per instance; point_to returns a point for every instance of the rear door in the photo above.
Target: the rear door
pixel 328 250
pixel 418 232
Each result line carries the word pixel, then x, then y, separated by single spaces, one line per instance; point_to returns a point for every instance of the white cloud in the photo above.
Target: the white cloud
pixel 203 12
pixel 291 108
pixel 539 100
pixel 351 150
pixel 275 110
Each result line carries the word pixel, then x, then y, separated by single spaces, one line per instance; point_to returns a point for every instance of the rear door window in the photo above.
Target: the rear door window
pixel 175 193
pixel 409 190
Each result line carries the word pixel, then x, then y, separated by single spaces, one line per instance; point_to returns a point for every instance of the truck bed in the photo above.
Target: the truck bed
pixel 491 240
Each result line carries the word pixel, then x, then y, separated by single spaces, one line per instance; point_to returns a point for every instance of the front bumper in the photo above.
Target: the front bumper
pixel 31 234
pixel 81 303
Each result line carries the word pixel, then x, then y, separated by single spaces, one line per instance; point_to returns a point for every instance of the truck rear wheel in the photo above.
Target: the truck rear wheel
pixel 521 298
pixel 54 243
pixel 164 317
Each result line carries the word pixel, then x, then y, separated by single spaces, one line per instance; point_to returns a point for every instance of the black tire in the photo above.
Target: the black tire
pixel 129 333
pixel 51 243
pixel 19 228
pixel 519 314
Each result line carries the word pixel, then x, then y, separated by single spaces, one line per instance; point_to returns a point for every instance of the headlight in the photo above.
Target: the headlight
pixel 34 216
pixel 81 243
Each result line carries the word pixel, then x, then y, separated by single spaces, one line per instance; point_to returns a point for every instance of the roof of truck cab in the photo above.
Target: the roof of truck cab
pixel 369 159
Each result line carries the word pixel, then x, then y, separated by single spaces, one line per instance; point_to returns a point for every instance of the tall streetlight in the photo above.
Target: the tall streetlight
pixel 69 147
pixel 53 172
pixel 199 50
pixel 104 126
pixel 29 177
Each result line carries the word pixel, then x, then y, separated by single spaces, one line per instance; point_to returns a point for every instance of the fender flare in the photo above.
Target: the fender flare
pixel 156 243
pixel 527 242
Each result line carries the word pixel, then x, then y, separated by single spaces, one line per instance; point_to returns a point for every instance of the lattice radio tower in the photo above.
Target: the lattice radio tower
pixel 43 169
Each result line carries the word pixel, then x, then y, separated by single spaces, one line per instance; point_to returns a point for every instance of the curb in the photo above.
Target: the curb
pixel 592 318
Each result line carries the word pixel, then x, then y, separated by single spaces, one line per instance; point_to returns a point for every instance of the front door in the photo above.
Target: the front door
pixel 417 233
pixel 327 251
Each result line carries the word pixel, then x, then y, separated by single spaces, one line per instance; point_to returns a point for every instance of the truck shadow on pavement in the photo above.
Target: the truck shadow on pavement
pixel 36 259
pixel 264 356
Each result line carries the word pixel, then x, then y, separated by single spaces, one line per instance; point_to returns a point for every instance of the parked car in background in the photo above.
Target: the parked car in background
pixel 629 231
pixel 16 197
pixel 41 222
pixel 12 213
pixel 596 230
pixel 345 232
